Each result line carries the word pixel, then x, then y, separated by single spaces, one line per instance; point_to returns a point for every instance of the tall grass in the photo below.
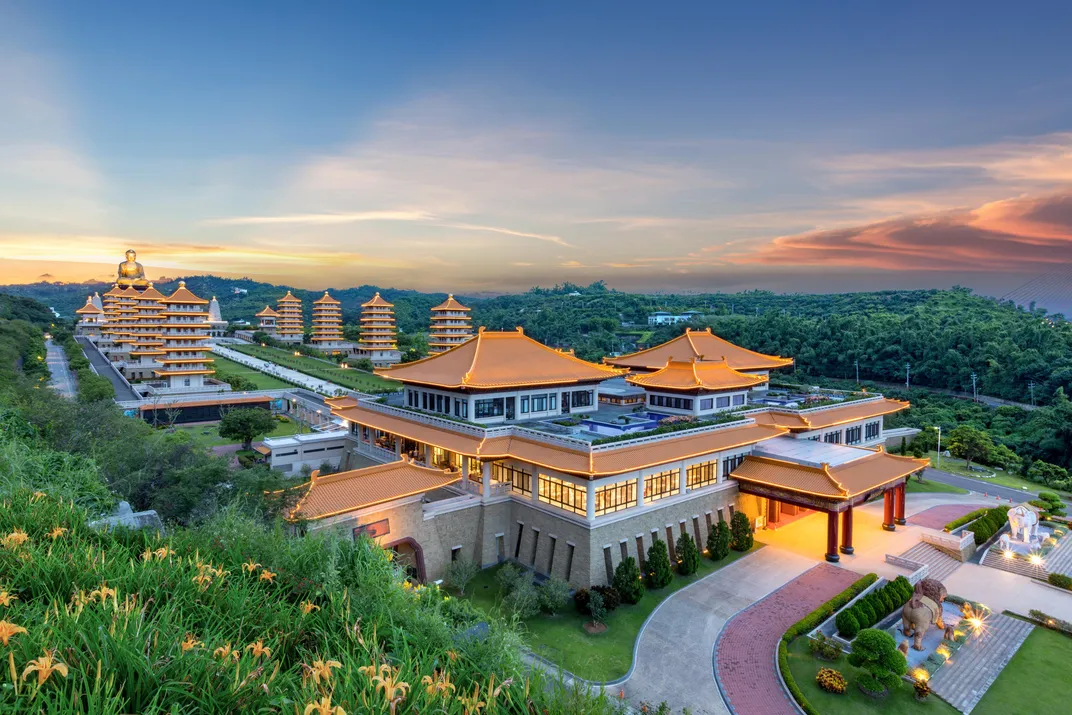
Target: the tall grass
pixel 234 617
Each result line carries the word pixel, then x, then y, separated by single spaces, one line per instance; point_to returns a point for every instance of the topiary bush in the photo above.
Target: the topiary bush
pixel 830 680
pixel 876 652
pixel 741 532
pixel 867 614
pixel 688 555
pixel 659 573
pixel 628 581
pixel 718 541
pixel 611 598
pixel 847 625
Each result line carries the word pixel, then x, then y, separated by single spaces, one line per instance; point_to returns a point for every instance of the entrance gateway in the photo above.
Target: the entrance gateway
pixel 805 474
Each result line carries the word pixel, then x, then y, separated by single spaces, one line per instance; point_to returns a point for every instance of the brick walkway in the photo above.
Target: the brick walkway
pixel 746 653
pixel 938 516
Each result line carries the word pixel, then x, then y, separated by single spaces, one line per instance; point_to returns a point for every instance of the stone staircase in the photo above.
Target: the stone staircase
pixel 964 680
pixel 940 563
pixel 1060 559
pixel 996 560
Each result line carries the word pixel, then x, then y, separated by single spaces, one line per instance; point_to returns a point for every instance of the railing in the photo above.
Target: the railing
pixel 672 435
pixel 953 542
pixel 384 455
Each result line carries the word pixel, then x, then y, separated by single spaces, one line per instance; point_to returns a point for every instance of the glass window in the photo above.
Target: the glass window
pixel 564 495
pixel 489 408
pixel 552 402
pixel 701 475
pixel 832 437
pixel 519 478
pixel 853 435
pixel 524 404
pixel 723 401
pixel 582 398
pixel 738 399
pixel 731 463
pixel 707 403
pixel 872 430
pixel 539 403
pixel 424 400
pixel 663 484
pixel 615 497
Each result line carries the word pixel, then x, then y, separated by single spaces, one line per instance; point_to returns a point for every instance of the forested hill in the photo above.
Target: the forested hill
pixel 944 335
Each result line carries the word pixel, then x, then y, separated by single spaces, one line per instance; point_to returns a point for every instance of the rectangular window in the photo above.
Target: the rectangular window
pixel 582 398
pixel 520 480
pixel 702 475
pixel 424 400
pixel 564 495
pixel 489 408
pixel 707 403
pixel 615 497
pixel 520 533
pixel 738 399
pixel 832 437
pixel 853 435
pixel 872 430
pixel 438 403
pixel 539 403
pixel 569 559
pixel 731 463
pixel 661 485
pixel 552 402
pixel 524 404
pixel 723 401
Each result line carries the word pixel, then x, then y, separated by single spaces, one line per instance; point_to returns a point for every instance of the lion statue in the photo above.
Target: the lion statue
pixel 923 610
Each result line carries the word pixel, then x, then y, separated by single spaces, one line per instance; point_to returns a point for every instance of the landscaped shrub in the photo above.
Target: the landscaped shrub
pixel 961 521
pixel 824 648
pixel 611 598
pixel 867 613
pixel 522 601
pixel 741 532
pixel 580 601
pixel 1048 621
pixel 688 556
pixel 508 576
pixel 811 621
pixel 830 680
pixel 659 573
pixel 876 652
pixel 461 572
pixel 847 625
pixel 628 581
pixel 596 609
pixel 718 541
pixel 553 595
pixel 1060 580
pixel 905 587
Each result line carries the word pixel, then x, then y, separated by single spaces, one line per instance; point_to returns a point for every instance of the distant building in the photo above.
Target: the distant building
pixel 217 325
pixel 240 291
pixel 662 317
pixel 327 327
pixel 378 340
pixel 290 325
pixel 451 325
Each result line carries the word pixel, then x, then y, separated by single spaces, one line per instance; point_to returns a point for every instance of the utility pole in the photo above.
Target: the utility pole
pixel 907 374
pixel 975 392
pixel 856 363
pixel 1031 387
pixel 939 428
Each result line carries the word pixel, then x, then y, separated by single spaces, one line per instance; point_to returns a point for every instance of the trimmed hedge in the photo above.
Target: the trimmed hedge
pixel 874 607
pixel 989 524
pixel 971 516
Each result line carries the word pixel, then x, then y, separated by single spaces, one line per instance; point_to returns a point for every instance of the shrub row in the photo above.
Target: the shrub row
pixel 961 521
pixel 989 524
pixel 1060 580
pixel 807 624
pixel 874 607
pixel 1047 621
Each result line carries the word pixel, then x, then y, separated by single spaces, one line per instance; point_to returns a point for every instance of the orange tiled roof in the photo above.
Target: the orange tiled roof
pixel 340 402
pixel 696 375
pixel 494 359
pixel 349 491
pixel 602 462
pixel 702 345
pixel 841 482
pixel 377 301
pixel 151 293
pixel 289 298
pixel 115 291
pixel 267 313
pixel 88 307
pixel 326 300
pixel 183 295
pixel 831 416
pixel 451 304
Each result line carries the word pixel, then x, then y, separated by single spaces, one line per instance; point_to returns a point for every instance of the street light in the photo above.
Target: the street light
pixel 939 428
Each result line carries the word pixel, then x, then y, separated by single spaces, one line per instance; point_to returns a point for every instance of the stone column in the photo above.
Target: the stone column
pixel 846 531
pixel 428 455
pixel 774 511
pixel 398 446
pixel 485 475
pixel 898 515
pixel 887 510
pixel 831 537
pixel 465 473
pixel 590 503
pixel 640 490
pixel 683 479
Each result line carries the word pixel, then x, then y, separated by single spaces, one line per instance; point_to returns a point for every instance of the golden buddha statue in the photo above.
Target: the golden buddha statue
pixel 130 272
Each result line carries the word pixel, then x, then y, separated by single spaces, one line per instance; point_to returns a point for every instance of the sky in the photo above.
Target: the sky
pixel 473 147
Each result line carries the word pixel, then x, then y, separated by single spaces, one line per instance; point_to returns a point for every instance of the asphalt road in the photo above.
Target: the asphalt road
pixel 978 485
pixel 62 379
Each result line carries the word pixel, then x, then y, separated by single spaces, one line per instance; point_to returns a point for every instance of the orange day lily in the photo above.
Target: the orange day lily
pixel 321 670
pixel 224 652
pixel 323 707
pixel 308 607
pixel 259 649
pixel 57 532
pixel 268 576
pixel 6 598
pixel 7 630
pixel 190 643
pixel 44 666
pixel 250 566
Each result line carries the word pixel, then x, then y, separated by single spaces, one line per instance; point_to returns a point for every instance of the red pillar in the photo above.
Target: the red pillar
pixel 887 510
pixel 831 537
pixel 898 516
pixel 773 511
pixel 846 531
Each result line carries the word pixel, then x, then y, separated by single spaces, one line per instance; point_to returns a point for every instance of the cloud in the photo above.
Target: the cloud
pixel 321 219
pixel 1025 234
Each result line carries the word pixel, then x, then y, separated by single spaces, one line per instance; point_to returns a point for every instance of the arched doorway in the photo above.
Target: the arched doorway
pixel 410 555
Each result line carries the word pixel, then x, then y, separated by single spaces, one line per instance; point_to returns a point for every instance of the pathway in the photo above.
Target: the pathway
pixel 746 652
pixel 936 517
pixel 105 369
pixel 672 660
pixel 964 680
pixel 62 379
pixel 1060 559
pixel 284 373
pixel 980 485
pixel 1005 591
pixel 940 564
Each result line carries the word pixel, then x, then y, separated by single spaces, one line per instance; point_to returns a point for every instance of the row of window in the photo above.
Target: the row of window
pixel 701 475
pixel 706 403
pixel 564 495
pixel 676 403
pixel 615 497
pixel 520 479
pixel 731 463
pixel 539 403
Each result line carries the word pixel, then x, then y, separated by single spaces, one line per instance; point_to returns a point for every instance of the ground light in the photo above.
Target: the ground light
pixel 1008 553
pixel 921 675
pixel 1035 559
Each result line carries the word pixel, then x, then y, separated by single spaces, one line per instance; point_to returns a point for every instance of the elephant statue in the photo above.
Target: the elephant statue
pixel 919 614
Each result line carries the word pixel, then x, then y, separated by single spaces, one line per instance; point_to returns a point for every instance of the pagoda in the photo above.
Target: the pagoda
pixel 290 326
pixel 217 325
pixel 144 329
pixel 110 310
pixel 90 317
pixel 378 342
pixel 327 326
pixel 267 320
pixel 451 325
pixel 185 332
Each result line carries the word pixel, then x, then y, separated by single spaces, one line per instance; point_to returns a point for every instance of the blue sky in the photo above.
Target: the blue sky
pixel 494 146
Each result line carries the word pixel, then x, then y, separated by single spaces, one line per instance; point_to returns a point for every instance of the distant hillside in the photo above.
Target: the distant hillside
pixel 13 307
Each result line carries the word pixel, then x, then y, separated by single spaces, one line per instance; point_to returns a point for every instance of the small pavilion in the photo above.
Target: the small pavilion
pixel 794 474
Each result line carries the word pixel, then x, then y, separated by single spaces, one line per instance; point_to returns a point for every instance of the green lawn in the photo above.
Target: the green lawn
pixel 957 466
pixel 207 435
pixel 1035 680
pixel 901 701
pixel 263 381
pixel 563 640
pixel 323 369
pixel 931 486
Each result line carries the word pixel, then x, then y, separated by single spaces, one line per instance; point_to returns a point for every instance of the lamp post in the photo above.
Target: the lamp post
pixel 939 428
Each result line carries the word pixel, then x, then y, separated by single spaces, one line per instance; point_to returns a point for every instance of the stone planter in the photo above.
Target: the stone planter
pixel 877 695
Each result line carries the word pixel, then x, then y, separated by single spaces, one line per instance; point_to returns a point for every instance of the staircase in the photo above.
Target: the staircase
pixel 1060 559
pixel 996 560
pixel 940 564
pixel 964 680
